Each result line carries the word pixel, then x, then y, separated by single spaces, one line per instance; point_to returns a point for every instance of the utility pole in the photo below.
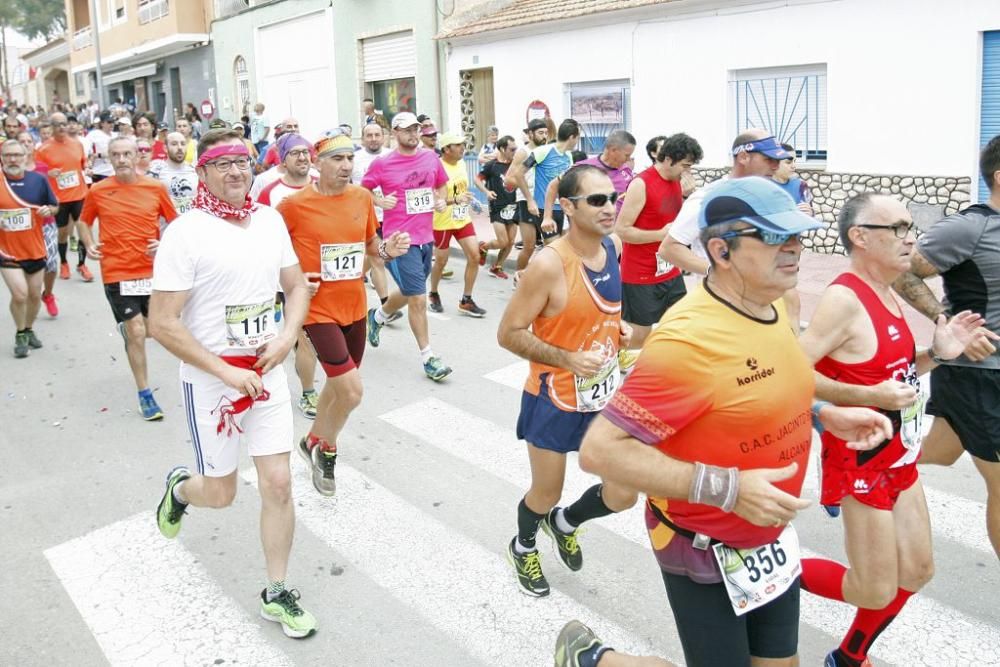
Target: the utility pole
pixel 95 31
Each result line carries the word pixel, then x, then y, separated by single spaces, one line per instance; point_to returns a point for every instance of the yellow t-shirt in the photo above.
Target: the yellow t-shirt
pixel 454 216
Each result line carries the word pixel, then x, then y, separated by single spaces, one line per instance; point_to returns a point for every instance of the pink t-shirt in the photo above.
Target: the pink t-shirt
pixel 412 178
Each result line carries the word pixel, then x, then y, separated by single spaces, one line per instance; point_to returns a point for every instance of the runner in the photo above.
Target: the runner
pixel 413 181
pixel 616 161
pixel 503 205
pixel 455 222
pixel 565 319
pixel 66 161
pixel 178 176
pixel 25 200
pixel 865 355
pixel 212 309
pixel 272 157
pixel 49 231
pixel 650 285
pixel 130 207
pixel 183 126
pixel 11 126
pixel 97 143
pixel 332 224
pixel 714 426
pixel 964 249
pixel 372 148
pixel 429 137
pixel 791 182
pixel 578 646
pixel 550 162
pixel 521 179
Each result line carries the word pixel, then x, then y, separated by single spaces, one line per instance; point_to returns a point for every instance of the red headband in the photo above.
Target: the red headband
pixel 220 151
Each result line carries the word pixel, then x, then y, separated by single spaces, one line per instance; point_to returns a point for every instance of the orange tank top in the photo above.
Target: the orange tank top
pixel 590 321
pixel 20 226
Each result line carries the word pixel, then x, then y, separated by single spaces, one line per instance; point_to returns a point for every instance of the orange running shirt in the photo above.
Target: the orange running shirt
pixel 329 234
pixel 716 386
pixel 68 157
pixel 20 225
pixel 130 216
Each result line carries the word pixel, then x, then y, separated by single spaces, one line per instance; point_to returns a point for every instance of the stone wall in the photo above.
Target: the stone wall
pixel 929 198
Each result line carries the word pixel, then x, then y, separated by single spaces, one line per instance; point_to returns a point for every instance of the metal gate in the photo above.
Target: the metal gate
pixel 989 119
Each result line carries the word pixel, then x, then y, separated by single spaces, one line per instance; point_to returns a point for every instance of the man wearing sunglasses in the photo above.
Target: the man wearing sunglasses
pixel 214 280
pixel 865 355
pixel 129 207
pixel 714 424
pixel 565 318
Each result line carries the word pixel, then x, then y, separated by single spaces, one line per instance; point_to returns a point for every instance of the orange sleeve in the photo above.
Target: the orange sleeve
pixel 372 226
pixel 89 212
pixel 167 209
pixel 286 210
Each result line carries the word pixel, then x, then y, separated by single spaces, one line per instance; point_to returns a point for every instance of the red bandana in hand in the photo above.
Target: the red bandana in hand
pixel 209 203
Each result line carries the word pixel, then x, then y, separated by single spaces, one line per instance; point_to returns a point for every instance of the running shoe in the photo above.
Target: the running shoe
pixel 528 568
pixel 33 341
pixel 627 359
pixel 832 511
pixel 482 253
pixel 575 641
pixel 73 244
pixel 51 307
pixel 296 622
pixel 831 660
pixel 64 271
pixel 21 347
pixel 374 328
pixel 308 403
pixel 498 272
pixel 396 315
pixel 170 511
pixel 435 369
pixel 278 310
pixel 434 303
pixel 85 274
pixel 566 545
pixel 323 462
pixel 447 273
pixel 150 410
pixel 469 307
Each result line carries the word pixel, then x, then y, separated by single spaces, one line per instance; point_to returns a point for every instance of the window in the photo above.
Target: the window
pixel 393 96
pixel 601 107
pixel 242 78
pixel 788 102
pixel 78 84
pixel 151 10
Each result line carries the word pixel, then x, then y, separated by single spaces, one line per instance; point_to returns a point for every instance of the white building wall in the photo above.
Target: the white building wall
pixel 903 76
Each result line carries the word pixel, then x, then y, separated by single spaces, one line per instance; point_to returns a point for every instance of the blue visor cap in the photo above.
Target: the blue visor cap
pixel 757 201
pixel 769 146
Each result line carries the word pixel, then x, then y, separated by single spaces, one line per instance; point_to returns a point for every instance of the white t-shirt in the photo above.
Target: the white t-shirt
pixel 181 182
pixel 362 160
pixel 99 140
pixel 232 273
pixel 684 228
pixel 264 179
pixel 529 178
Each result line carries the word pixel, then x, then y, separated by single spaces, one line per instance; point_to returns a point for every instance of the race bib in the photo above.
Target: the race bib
pixel 663 267
pixel 15 219
pixel 593 393
pixel 754 577
pixel 68 179
pixel 419 200
pixel 507 212
pixel 911 418
pixel 183 204
pixel 141 287
pixel 250 325
pixel 341 261
pixel 460 212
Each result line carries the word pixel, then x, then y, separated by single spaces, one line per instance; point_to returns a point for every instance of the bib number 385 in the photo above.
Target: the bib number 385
pixel 754 577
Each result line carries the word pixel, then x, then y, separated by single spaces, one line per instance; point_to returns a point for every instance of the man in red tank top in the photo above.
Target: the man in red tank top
pixel 865 356
pixel 650 284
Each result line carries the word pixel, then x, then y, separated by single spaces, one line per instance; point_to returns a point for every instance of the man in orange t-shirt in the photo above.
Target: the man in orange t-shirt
pixel 332 225
pixel 130 208
pixel 66 160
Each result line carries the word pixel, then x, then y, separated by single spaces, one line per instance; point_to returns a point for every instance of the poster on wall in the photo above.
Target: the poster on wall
pixel 604 106
pixel 536 110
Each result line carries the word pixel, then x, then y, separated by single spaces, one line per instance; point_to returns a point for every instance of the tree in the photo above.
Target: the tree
pixel 32 18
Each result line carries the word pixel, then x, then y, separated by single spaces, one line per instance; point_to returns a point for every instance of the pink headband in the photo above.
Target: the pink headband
pixel 220 151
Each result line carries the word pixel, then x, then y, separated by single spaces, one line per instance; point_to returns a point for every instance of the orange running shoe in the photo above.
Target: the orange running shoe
pixel 64 271
pixel 85 274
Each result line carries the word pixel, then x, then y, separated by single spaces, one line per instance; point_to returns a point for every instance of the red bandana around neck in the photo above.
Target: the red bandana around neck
pixel 209 203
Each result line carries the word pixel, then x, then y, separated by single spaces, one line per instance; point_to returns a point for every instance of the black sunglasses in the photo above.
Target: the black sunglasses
pixel 597 200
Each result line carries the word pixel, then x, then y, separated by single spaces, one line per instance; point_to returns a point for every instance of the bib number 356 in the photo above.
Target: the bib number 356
pixel 754 577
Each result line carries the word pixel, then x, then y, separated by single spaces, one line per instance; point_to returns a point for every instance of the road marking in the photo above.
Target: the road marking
pixel 958 519
pixel 512 376
pixel 942 629
pixel 438 316
pixel 148 601
pixel 465 591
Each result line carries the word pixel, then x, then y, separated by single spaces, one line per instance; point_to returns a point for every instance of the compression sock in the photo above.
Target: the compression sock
pixel 81 254
pixel 868 625
pixel 588 506
pixel 527 527
pixel 824 578
pixel 62 251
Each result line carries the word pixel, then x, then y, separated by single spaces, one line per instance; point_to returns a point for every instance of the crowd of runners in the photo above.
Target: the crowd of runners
pixel 237 246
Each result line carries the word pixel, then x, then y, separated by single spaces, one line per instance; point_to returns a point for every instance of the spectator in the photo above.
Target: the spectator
pixel 260 128
pixel 790 182
pixel 489 150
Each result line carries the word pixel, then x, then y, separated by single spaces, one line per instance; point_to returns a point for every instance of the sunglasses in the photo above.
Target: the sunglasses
pixel 145 149
pixel 900 229
pixel 769 238
pixel 596 200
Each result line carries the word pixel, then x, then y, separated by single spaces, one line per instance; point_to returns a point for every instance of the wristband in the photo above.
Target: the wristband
pixel 715 486
pixel 382 251
pixel 816 407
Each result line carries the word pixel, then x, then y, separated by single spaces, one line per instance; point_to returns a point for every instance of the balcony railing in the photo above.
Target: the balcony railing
pixel 82 38
pixel 224 8
pixel 150 10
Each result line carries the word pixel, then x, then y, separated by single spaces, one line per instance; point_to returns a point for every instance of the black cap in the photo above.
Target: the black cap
pixel 162 126
pixel 106 117
pixel 536 124
pixel 218 124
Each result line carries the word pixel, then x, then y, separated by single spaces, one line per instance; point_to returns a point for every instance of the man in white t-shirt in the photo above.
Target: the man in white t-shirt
pixel 214 279
pixel 372 148
pixel 177 175
pixel 97 140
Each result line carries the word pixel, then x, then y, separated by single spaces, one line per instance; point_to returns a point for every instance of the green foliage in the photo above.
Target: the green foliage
pixel 34 18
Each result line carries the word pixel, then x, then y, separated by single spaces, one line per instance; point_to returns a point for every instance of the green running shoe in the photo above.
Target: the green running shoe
pixel 296 622
pixel 170 511
pixel 33 342
pixel 374 328
pixel 21 347
pixel 576 640
pixel 308 404
pixel 435 369
pixel 528 568
pixel 566 545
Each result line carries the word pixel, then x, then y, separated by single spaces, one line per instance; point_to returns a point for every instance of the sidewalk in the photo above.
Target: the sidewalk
pixel 816 271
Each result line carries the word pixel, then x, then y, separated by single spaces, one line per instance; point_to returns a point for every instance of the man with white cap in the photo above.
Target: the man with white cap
pixel 413 183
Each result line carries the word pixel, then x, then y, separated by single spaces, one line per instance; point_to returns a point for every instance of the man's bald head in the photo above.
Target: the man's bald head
pixel 750 135
pixel 176 144
pixel 869 208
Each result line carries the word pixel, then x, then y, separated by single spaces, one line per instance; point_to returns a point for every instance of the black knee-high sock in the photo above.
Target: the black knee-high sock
pixel 81 252
pixel 62 251
pixel 527 525
pixel 588 506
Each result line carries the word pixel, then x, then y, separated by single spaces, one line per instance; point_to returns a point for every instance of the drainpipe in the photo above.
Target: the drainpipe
pixel 95 31
pixel 438 57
